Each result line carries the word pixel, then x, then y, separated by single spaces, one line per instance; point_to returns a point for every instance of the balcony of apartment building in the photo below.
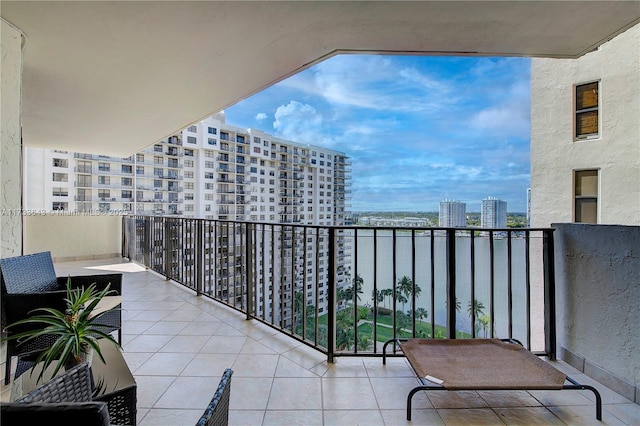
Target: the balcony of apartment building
pixel 180 333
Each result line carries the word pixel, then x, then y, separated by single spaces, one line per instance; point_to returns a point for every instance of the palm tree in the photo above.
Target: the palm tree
pixel 477 308
pixel 421 313
pixel 387 293
pixel 407 288
pixel 377 296
pixel 476 311
pixel 364 342
pixel 484 322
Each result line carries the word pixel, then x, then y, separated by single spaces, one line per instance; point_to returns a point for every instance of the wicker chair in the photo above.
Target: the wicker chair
pixel 30 282
pixel 65 398
pixel 217 413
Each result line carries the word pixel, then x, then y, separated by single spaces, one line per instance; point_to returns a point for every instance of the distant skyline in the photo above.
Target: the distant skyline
pixel 418 129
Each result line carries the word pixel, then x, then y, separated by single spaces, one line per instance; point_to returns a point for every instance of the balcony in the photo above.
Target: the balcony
pixel 176 341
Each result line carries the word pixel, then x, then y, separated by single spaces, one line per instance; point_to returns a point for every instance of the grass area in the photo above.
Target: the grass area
pixel 384 329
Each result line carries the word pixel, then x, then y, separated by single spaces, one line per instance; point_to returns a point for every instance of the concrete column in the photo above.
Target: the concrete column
pixel 10 141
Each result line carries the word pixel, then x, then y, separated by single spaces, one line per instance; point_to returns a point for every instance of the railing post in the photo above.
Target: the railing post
pixel 199 257
pixel 549 294
pixel 146 243
pixel 168 249
pixel 451 283
pixel 249 268
pixel 331 297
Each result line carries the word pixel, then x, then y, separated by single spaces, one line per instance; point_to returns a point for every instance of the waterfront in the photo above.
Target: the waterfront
pixel 380 262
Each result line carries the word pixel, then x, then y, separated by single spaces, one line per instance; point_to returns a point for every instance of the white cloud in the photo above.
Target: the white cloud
pixel 261 116
pixel 301 123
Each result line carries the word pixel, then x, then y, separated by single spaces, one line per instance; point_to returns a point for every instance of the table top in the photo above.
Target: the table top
pixel 109 376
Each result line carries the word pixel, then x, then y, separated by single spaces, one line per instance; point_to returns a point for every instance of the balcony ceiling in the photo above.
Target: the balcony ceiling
pixel 115 77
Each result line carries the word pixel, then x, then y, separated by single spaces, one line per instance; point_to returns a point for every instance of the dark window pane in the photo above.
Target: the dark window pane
pixel 586 123
pixel 587 96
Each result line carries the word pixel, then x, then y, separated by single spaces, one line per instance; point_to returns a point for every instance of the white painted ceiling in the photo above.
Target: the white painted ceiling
pixel 114 77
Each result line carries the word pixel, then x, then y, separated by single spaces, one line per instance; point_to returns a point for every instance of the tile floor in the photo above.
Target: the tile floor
pixel 177 345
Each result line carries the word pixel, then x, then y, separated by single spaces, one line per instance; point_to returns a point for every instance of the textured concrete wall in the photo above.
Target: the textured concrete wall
pixel 616 152
pixel 598 291
pixel 74 237
pixel 10 143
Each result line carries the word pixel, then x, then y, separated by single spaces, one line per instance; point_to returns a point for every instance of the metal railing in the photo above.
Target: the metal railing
pixel 346 290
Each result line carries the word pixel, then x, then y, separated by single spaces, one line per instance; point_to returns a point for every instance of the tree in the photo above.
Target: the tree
pixel 377 296
pixel 476 311
pixel 484 322
pixel 364 342
pixel 407 288
pixel 421 313
pixel 387 293
pixel 477 308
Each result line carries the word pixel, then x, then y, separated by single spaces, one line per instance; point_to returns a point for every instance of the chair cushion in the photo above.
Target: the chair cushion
pixel 31 273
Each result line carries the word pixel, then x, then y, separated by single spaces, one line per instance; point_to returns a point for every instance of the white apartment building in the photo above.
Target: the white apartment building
pixel 585 136
pixel 494 213
pixel 452 214
pixel 212 170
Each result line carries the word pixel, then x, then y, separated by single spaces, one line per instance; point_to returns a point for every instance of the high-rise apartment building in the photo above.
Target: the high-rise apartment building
pixel 453 214
pixel 585 135
pixel 212 170
pixel 494 213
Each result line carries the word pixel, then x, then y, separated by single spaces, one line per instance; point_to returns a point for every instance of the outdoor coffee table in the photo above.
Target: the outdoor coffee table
pixel 112 379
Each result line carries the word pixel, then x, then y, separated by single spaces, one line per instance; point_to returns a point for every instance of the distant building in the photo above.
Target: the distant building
pixel 453 214
pixel 494 213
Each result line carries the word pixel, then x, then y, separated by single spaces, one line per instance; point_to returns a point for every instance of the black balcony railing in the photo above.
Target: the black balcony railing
pixel 346 290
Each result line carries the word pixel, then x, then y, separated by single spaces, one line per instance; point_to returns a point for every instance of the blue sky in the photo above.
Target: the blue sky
pixel 418 129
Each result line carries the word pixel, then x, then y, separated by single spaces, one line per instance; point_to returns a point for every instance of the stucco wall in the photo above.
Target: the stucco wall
pixel 616 152
pixel 598 290
pixel 73 237
pixel 10 143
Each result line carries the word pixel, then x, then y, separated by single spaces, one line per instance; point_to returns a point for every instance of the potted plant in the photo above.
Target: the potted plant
pixel 77 330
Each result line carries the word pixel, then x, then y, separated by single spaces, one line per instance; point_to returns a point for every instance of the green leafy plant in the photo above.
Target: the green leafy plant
pixel 76 329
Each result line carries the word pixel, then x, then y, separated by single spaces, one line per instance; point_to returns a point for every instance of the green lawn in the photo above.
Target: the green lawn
pixel 385 332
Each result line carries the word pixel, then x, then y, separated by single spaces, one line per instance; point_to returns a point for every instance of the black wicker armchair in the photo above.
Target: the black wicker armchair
pixel 217 413
pixel 66 398
pixel 30 282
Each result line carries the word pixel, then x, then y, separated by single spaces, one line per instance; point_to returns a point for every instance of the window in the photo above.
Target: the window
pixel 212 130
pixel 191 139
pixel 60 177
pixel 125 194
pixel 140 158
pixel 192 129
pixel 104 167
pixel 188 174
pixel 60 162
pixel 587 110
pixel 127 181
pixel 139 170
pixel 212 141
pixel 586 196
pixel 57 205
pixel 104 193
pixel 60 192
pixel 126 169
